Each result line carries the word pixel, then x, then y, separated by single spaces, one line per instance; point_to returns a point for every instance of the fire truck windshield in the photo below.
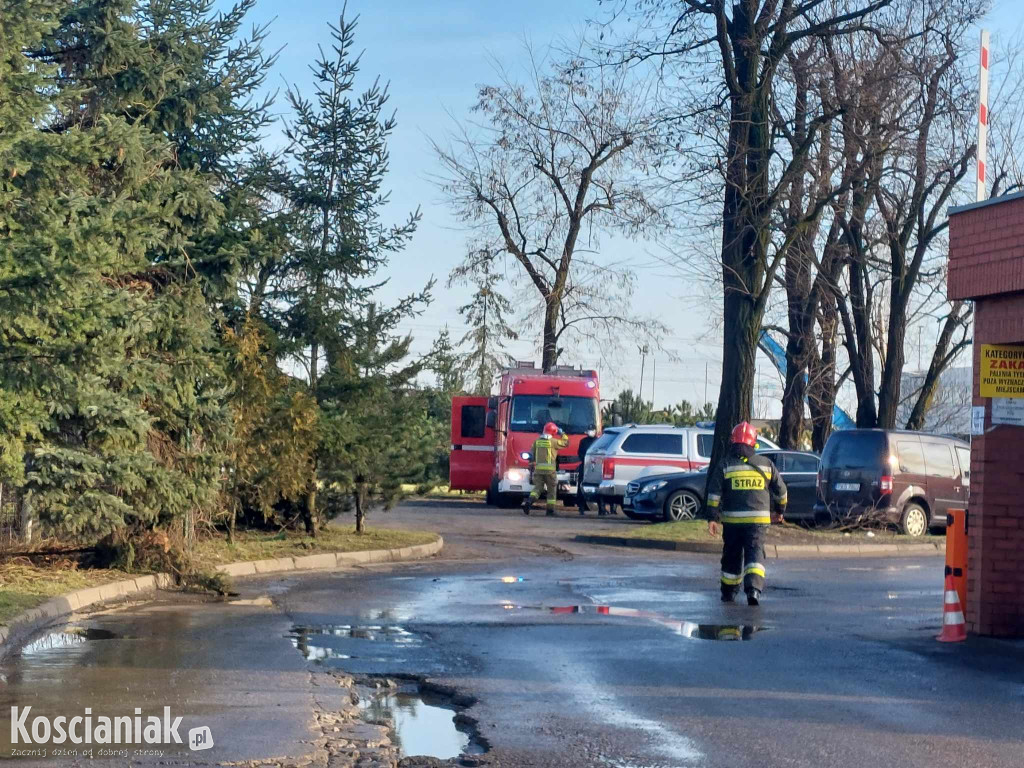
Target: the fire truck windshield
pixel 575 415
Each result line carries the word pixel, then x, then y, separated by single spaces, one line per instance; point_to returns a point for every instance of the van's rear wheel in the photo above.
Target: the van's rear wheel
pixel 914 520
pixel 492 493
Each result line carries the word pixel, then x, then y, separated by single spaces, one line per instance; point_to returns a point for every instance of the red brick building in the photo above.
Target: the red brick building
pixel 986 265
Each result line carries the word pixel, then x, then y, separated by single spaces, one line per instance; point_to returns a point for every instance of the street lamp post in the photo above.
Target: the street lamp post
pixel 643 360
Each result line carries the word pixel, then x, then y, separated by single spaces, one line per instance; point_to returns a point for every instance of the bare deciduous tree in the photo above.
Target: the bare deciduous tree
pixel 556 163
pixel 748 41
pixel 917 135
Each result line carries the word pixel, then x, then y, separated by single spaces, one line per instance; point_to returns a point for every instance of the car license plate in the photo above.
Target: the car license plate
pixel 847 486
pixel 628 501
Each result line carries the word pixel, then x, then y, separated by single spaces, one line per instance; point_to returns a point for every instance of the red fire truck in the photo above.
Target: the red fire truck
pixel 492 436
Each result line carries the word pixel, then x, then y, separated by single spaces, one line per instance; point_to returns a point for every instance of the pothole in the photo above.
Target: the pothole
pixel 374 632
pixel 688 629
pixel 263 601
pixel 327 642
pixel 69 637
pixel 423 724
pixel 726 632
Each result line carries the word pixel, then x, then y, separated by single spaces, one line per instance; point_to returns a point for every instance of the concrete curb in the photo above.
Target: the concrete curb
pixel 774 550
pixel 49 613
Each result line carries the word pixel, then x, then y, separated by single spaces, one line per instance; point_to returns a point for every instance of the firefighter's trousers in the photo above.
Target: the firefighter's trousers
pixel 743 557
pixel 546 481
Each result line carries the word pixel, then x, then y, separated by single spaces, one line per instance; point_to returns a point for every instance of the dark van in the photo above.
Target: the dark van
pixel 910 479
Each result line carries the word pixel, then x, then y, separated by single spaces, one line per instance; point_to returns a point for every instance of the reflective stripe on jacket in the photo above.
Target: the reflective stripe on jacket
pixel 545 452
pixel 742 490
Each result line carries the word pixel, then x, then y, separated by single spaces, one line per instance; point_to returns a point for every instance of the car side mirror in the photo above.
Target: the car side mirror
pixel 491 420
pixel 492 403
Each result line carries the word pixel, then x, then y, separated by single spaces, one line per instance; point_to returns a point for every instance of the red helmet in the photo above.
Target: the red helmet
pixel 551 429
pixel 745 433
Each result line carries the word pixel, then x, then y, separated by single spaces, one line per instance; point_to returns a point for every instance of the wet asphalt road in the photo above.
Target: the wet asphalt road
pixel 839 666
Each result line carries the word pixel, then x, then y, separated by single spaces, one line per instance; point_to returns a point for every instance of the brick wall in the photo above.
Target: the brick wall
pixel 986 248
pixel 986 263
pixel 995 570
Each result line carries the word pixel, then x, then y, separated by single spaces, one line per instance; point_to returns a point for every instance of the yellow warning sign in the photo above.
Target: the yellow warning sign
pixel 1002 370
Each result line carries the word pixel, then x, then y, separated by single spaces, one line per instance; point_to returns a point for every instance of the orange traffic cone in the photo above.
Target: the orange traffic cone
pixel 954 628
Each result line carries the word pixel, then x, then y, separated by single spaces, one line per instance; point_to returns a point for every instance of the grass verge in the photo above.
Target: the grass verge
pixel 23 587
pixel 688 530
pixel 697 530
pixel 440 492
pixel 256 545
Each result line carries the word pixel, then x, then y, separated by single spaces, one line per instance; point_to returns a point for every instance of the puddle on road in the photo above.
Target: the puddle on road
pixel 263 601
pixel 353 641
pixel 687 629
pixel 422 725
pixel 373 632
pixel 69 637
pixel 726 632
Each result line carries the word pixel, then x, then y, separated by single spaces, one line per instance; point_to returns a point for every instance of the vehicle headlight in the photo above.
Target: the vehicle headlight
pixel 652 487
pixel 515 475
pixel 525 456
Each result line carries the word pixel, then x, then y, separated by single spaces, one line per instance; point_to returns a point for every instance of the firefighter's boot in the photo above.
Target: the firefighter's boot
pixel 754 597
pixel 527 505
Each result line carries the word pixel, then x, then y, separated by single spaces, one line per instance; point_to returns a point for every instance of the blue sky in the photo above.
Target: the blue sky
pixel 435 55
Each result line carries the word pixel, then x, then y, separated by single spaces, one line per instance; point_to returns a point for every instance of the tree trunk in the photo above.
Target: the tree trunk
pixel 360 510
pixel 860 349
pixel 740 330
pixel 550 346
pixel 791 426
pixel 892 370
pixel 309 510
pixel 798 347
pixel 484 388
pixel 314 353
pixel 797 277
pixel 822 376
pixel 745 226
pixel 27 519
pixel 942 357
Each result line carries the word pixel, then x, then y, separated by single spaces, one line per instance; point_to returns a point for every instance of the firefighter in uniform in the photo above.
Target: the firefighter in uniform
pixel 545 465
pixel 741 494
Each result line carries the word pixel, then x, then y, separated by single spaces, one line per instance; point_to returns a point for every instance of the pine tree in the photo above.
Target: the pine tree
pixel 117 243
pixel 376 433
pixel 683 414
pixel 630 408
pixel 24 226
pixel 275 429
pixel 446 366
pixel 337 161
pixel 486 315
pixel 82 210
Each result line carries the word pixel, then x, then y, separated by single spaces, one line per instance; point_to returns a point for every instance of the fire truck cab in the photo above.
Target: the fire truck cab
pixel 492 436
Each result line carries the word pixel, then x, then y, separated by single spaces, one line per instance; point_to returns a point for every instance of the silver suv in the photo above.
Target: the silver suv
pixel 622 454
